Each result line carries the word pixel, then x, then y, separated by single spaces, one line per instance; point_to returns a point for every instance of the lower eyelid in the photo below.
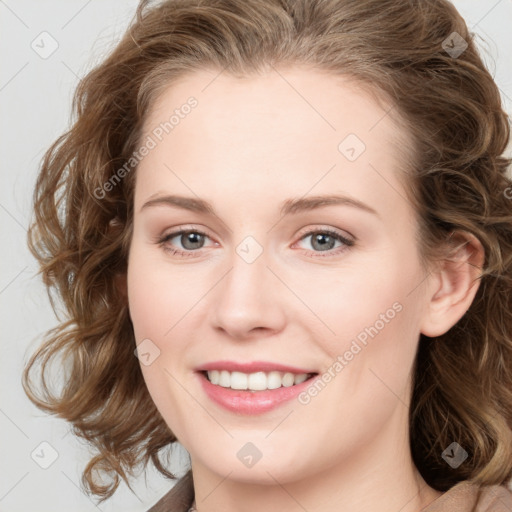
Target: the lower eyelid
pixel 335 251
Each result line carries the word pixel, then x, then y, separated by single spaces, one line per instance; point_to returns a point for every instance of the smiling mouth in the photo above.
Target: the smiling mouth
pixel 257 381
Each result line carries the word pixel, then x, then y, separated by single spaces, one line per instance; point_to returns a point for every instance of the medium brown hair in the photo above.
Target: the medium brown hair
pixel 457 181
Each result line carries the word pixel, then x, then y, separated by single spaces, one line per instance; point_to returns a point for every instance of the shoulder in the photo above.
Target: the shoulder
pixel 470 497
pixel 495 498
pixel 462 497
pixel 179 498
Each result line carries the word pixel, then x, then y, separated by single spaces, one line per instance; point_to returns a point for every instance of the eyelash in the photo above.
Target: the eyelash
pixel 317 254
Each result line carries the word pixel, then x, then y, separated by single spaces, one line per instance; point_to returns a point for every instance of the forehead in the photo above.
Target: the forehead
pixel 324 130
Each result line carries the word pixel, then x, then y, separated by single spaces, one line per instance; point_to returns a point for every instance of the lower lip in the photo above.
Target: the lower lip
pixel 251 402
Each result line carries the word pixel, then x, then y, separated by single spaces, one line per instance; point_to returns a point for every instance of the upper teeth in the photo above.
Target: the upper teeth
pixel 255 381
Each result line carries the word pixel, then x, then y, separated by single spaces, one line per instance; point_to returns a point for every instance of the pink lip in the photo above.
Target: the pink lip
pixel 252 367
pixel 251 402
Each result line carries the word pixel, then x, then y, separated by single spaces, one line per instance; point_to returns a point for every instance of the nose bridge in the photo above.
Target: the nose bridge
pixel 247 283
pixel 246 298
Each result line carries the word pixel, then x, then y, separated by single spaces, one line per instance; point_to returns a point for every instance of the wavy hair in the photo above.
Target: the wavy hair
pixel 457 180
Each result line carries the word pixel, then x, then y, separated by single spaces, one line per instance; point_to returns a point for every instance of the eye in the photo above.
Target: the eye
pixel 190 240
pixel 324 240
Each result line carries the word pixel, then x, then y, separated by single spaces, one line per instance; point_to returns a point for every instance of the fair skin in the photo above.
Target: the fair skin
pixel 248 146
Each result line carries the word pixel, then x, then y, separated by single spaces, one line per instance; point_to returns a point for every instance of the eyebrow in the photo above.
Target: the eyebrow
pixel 290 206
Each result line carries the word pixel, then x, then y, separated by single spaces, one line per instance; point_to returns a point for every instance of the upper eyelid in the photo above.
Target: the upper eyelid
pixel 336 231
pixel 181 231
pixel 302 232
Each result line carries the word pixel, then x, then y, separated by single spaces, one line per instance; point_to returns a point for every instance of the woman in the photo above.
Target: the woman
pixel 295 214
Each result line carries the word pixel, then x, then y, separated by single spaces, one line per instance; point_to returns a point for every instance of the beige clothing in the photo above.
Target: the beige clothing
pixel 462 497
pixel 468 497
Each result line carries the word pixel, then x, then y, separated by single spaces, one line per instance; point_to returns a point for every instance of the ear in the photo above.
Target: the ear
pixel 453 285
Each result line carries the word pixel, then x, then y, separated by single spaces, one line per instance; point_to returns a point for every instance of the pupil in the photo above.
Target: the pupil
pixel 191 240
pixel 326 241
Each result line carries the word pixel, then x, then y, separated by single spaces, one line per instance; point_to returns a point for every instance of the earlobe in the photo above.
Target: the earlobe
pixel 454 284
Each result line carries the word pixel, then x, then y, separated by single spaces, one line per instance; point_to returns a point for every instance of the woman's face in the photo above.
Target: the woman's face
pixel 271 279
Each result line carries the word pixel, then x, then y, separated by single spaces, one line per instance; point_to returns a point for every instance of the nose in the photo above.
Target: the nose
pixel 249 300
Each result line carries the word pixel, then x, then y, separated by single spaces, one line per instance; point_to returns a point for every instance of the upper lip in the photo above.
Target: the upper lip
pixel 251 367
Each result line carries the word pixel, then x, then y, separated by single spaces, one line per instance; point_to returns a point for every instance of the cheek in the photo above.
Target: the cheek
pixel 159 303
pixel 150 317
pixel 144 302
pixel 365 302
pixel 376 316
pixel 155 295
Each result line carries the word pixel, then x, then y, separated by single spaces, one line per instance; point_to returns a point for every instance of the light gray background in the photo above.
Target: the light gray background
pixel 35 101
